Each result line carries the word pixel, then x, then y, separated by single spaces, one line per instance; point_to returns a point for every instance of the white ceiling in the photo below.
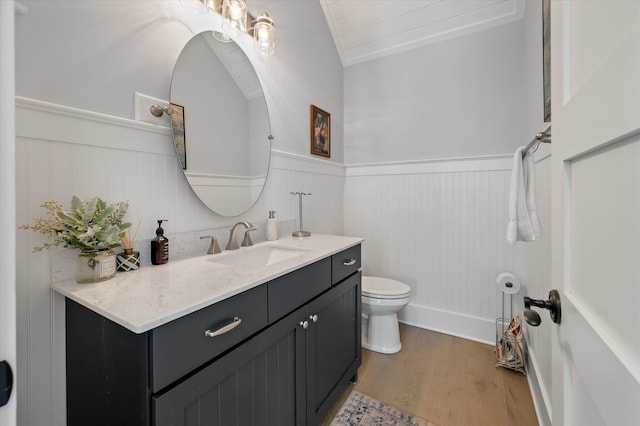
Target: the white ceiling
pixel 238 65
pixel 367 29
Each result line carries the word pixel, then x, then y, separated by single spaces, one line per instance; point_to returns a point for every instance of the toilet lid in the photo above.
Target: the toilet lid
pixel 384 288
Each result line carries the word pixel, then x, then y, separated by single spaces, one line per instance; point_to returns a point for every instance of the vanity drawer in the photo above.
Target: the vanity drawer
pixel 182 345
pixel 345 263
pixel 293 290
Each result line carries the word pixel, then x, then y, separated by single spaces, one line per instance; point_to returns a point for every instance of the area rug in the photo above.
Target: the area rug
pixel 362 410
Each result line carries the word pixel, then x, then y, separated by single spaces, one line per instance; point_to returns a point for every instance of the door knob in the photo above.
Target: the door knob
pixel 553 305
pixel 6 382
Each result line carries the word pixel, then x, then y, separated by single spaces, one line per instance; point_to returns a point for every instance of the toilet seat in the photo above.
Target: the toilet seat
pixel 384 288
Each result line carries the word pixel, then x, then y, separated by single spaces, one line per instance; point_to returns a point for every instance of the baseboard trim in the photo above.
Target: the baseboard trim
pixel 453 323
pixel 541 401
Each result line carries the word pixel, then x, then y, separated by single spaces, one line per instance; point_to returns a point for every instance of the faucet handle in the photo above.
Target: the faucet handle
pixel 214 248
pixel 246 242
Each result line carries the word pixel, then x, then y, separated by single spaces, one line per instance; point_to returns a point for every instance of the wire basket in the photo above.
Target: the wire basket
pixel 509 352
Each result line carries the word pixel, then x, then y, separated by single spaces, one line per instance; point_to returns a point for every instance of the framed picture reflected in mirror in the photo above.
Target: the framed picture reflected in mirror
pixel 176 114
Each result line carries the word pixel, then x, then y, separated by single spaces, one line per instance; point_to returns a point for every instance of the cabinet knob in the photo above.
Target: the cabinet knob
pixel 314 318
pixel 304 324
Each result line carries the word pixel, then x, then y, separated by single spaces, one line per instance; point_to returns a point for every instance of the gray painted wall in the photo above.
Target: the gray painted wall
pixel 94 55
pixel 460 98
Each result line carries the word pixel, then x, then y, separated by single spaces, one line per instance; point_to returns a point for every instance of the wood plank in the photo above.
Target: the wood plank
pixel 444 379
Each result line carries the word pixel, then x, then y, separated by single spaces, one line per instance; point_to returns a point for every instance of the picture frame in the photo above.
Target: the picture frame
pixel 546 58
pixel 176 118
pixel 320 132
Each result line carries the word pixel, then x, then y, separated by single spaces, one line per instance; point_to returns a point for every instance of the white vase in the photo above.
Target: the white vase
pixel 94 266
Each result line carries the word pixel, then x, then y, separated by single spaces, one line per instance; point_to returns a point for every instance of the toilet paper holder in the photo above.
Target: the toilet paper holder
pixel 553 305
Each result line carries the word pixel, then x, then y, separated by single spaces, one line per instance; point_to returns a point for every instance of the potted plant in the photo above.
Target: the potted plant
pixel 91 226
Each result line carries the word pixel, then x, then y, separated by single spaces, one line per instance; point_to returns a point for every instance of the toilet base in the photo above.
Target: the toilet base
pixel 381 333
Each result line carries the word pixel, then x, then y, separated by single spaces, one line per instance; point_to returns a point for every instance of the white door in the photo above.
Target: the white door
pixel 7 204
pixel 596 211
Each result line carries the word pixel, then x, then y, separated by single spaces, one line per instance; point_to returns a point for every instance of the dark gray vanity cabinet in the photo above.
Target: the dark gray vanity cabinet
pixel 334 348
pixel 298 344
pixel 255 384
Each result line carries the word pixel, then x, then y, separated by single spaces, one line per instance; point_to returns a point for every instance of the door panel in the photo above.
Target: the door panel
pixel 604 277
pixel 589 48
pixel 599 377
pixel 8 412
pixel 596 211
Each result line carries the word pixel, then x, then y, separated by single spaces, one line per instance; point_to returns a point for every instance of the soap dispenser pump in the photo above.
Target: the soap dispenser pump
pixel 272 226
pixel 160 246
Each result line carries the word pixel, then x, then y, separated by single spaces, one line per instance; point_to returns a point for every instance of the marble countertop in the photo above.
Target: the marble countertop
pixel 154 295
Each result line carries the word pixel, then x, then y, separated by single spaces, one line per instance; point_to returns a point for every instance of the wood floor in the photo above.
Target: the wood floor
pixel 444 379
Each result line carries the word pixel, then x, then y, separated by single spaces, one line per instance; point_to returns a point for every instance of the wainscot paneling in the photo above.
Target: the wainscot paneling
pixel 62 151
pixel 437 225
pixel 440 227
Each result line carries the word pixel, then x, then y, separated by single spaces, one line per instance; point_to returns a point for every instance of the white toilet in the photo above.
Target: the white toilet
pixel 382 299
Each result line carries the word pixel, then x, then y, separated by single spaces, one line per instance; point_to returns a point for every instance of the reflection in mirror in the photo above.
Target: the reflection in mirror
pixel 223 145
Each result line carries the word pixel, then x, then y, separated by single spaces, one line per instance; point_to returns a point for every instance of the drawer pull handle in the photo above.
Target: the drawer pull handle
pixel 349 262
pixel 225 329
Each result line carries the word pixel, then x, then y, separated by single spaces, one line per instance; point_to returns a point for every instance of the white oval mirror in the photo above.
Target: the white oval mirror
pixel 220 124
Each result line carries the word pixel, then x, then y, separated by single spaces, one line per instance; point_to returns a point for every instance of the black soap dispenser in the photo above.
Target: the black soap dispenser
pixel 160 246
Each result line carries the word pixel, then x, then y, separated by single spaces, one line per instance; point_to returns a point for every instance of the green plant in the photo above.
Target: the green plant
pixel 88 225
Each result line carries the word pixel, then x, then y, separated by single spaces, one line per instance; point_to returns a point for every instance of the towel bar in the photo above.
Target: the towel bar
pixel 542 137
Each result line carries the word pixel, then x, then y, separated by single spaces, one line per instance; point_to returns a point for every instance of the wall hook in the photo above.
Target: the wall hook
pixel 553 305
pixel 157 110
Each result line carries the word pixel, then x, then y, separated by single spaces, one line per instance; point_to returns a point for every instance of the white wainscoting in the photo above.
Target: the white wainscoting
pixel 440 227
pixel 237 191
pixel 437 225
pixel 61 151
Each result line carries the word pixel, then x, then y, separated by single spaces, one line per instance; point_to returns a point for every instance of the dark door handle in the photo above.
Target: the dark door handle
pixel 553 305
pixel 6 382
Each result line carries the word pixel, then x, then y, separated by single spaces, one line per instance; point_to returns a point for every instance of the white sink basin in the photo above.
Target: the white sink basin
pixel 256 257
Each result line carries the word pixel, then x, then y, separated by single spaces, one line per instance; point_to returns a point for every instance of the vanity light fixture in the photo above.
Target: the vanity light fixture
pixel 235 17
pixel 264 34
pixel 234 13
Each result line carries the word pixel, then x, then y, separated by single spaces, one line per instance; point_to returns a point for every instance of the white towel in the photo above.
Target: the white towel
pixel 524 224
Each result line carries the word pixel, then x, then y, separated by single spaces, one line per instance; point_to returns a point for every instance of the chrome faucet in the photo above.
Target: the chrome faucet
pixel 246 242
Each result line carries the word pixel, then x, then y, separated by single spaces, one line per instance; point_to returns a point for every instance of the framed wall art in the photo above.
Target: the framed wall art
pixel 176 114
pixel 320 132
pixel 546 58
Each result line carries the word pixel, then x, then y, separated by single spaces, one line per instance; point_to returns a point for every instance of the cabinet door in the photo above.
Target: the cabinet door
pixel 333 345
pixel 261 382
